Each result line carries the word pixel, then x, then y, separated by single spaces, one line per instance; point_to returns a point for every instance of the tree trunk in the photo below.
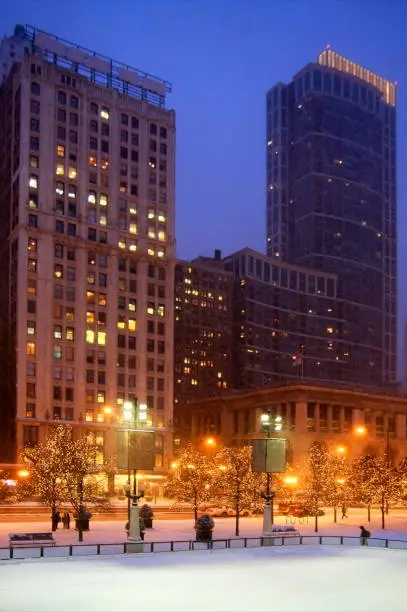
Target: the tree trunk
pixel 316 522
pixel 368 513
pixel 196 508
pixel 383 511
pixel 335 514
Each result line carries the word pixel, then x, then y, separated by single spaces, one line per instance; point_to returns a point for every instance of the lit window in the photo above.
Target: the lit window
pixel 150 308
pixel 151 213
pixel 60 188
pixel 151 251
pixel 104 113
pixel 57 351
pixel 133 228
pixel 90 317
pixel 90 336
pixel 32 245
pixel 160 252
pixel 121 324
pixel 58 271
pixel 30 350
pixel 161 235
pixel 72 173
pixel 132 324
pixel 132 305
pixel 100 397
pixel 31 328
pixel 90 297
pixel 105 164
pixel 33 201
pixel 121 244
pixel 103 199
pixel 60 151
pixel 161 310
pixel 102 219
pixel 58 332
pixel 330 330
pixel 133 246
pixel 69 333
pixel 92 197
pixel 72 192
pixel 60 171
pixel 161 217
pixel 133 211
pixel 33 182
pixel 151 233
pixel 102 338
pixel 102 299
pixel 92 160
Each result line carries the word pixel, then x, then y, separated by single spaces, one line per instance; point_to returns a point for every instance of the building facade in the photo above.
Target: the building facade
pixel 331 197
pixel 87 223
pixel 203 329
pixel 310 412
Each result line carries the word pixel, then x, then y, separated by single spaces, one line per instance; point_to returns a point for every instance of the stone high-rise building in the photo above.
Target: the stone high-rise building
pixel 87 243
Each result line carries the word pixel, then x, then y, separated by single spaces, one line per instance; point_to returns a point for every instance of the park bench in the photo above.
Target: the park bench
pixel 31 539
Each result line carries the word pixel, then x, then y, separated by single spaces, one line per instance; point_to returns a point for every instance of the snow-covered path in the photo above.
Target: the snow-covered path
pixel 321 579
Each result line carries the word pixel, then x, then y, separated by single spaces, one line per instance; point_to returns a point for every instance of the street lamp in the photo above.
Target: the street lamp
pixel 341 450
pixel 271 423
pixel 128 416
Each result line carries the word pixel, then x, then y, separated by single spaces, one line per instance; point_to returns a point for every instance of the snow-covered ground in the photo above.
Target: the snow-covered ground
pixel 182 529
pixel 321 579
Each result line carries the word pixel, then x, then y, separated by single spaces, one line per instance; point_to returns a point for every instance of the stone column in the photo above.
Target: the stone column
pixel 301 417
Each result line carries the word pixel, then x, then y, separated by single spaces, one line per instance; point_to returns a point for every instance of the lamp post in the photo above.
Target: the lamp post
pixel 128 417
pixel 270 423
pixel 134 538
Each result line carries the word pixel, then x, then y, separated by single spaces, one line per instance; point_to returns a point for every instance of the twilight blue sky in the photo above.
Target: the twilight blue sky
pixel 221 57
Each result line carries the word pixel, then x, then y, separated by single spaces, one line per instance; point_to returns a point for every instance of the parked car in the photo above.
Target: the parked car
pixel 300 511
pixel 224 511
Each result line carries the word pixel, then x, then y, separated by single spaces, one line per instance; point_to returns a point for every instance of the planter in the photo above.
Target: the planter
pixel 204 535
pixel 148 523
pixel 82 524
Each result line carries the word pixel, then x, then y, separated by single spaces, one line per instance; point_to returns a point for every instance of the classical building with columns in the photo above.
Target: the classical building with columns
pixel 310 412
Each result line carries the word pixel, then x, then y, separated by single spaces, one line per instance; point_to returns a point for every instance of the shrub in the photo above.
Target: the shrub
pixel 146 512
pixel 204 523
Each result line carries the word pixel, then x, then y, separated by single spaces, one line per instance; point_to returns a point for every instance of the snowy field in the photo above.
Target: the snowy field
pixel 182 529
pixel 317 579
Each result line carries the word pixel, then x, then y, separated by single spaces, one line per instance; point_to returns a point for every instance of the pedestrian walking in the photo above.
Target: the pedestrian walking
pixel 344 510
pixel 68 520
pixel 364 535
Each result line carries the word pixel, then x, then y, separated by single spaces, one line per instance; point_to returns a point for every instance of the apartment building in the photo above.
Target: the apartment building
pixel 87 233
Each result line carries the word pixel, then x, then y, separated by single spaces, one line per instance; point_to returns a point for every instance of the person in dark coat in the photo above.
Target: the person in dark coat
pixel 344 512
pixel 55 518
pixel 364 535
pixel 67 520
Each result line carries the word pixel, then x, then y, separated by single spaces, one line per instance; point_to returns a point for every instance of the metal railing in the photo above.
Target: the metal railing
pixel 78 550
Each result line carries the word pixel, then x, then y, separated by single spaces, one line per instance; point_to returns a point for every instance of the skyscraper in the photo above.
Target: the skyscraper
pixel 331 197
pixel 87 235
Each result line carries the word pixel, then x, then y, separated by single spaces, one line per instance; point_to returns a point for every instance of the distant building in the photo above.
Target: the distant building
pixel 331 197
pixel 357 421
pixel 203 329
pixel 87 154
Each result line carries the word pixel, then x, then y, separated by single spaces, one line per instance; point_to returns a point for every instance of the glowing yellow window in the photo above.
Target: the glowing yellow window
pixel 72 173
pixel 60 171
pixel 121 244
pixel 69 333
pixel 132 324
pixel 60 151
pixel 105 164
pixel 104 113
pixel 150 310
pixel 121 325
pixel 161 253
pixel 151 213
pixel 103 199
pixel 132 305
pixel 133 228
pixel 102 338
pixel 161 217
pixel 90 336
pixel 151 252
pixel 30 350
pixel 161 235
pixel 133 211
pixel 151 232
pixel 102 299
pixel 102 219
pixel 92 197
pixel 92 161
pixel 90 297
pixel 101 397
pixel 161 310
pixel 133 246
pixel 90 317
